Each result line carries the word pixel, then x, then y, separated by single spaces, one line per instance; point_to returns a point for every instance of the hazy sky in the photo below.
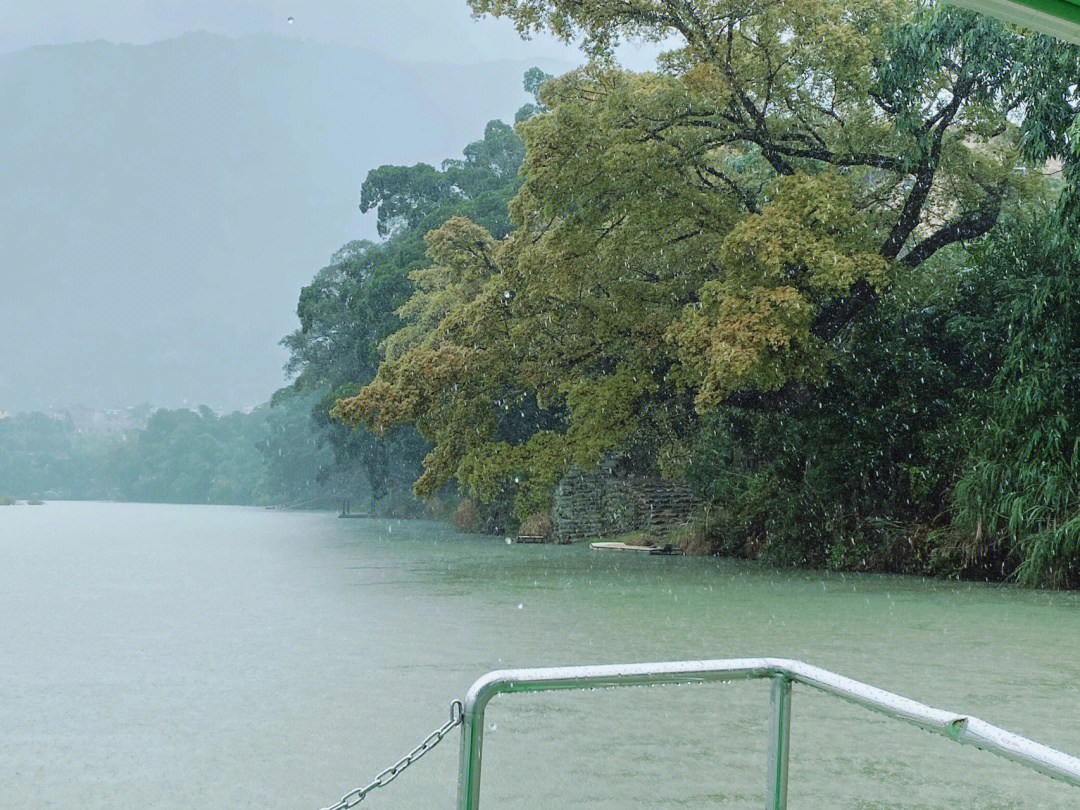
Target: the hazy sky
pixel 410 30
pixel 171 199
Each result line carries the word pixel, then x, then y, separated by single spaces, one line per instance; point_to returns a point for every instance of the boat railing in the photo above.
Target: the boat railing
pixel 781 673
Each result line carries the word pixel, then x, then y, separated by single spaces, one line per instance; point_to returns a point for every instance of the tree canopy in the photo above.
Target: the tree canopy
pixel 710 234
pixel 352 306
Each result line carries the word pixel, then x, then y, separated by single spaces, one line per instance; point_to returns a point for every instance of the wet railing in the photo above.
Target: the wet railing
pixel 1058 18
pixel 781 673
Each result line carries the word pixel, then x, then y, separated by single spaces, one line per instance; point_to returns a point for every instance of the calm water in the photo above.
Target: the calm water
pixel 193 657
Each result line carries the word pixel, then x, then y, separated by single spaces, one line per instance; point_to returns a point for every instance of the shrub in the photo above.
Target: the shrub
pixel 855 473
pixel 1018 500
pixel 466 516
pixel 698 535
pixel 538 524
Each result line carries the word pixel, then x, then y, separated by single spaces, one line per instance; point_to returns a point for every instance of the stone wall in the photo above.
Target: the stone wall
pixel 578 507
pixel 603 505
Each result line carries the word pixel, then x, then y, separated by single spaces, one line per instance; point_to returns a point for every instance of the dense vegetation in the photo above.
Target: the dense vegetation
pixel 355 305
pixel 39 454
pixel 813 265
pixel 272 456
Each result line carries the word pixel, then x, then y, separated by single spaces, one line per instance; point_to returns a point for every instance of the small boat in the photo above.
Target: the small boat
pixel 613 546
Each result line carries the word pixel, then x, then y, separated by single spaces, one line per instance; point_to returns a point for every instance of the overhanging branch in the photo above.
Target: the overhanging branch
pixel 966 226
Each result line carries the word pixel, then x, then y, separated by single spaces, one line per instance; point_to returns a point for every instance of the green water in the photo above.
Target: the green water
pixel 195 657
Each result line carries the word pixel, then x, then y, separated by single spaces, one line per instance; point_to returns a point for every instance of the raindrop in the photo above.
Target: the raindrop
pixel 520 605
pixel 291 20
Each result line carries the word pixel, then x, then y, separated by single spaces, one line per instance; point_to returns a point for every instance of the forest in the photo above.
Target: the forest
pixel 272 456
pixel 821 267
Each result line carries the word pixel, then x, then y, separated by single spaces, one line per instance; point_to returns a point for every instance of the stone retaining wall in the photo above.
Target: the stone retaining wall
pixel 602 505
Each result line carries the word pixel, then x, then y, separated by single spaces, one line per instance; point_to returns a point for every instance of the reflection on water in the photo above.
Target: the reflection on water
pixel 177 657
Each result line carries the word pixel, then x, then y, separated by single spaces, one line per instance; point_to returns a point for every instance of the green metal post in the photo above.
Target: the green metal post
pixel 1058 18
pixel 779 741
pixel 472 744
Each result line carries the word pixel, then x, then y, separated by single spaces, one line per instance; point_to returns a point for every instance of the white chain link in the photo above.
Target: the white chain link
pixel 384 778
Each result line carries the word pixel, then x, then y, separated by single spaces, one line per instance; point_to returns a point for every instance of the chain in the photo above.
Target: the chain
pixel 384 778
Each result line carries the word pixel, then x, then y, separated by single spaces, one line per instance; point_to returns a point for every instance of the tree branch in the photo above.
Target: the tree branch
pixel 840 311
pixel 966 226
pixel 745 197
pixel 911 213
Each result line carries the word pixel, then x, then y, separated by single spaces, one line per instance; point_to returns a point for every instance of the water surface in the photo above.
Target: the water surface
pixel 189 657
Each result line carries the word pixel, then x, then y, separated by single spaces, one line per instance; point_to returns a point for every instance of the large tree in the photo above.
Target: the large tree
pixel 709 233
pixel 351 305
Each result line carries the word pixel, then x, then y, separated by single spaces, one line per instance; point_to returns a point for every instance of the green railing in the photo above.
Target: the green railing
pixel 781 673
pixel 1059 18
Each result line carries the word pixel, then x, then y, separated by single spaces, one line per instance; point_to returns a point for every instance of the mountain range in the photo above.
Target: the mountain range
pixel 161 205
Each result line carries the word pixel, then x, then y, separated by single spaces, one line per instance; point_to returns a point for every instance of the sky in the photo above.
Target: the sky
pixel 406 30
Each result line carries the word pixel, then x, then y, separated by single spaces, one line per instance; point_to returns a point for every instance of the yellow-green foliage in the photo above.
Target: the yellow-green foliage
pixel 752 326
pixel 697 232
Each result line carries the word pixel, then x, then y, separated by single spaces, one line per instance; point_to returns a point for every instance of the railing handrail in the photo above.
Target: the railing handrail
pixel 782 672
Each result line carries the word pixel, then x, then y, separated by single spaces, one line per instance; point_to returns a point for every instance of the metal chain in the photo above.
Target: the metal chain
pixel 384 778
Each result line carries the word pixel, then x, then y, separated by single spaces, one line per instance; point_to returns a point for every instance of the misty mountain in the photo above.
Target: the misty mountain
pixel 162 205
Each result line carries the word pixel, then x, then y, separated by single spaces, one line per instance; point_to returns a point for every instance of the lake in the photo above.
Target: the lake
pixel 188 657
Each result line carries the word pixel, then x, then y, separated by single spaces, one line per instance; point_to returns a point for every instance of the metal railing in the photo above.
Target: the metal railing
pixel 782 673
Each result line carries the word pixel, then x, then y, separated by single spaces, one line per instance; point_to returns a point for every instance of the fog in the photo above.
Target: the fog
pixel 165 194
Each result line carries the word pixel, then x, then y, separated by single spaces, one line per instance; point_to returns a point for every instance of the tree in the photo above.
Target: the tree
pixel 352 305
pixel 404 196
pixel 711 233
pixel 40 455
